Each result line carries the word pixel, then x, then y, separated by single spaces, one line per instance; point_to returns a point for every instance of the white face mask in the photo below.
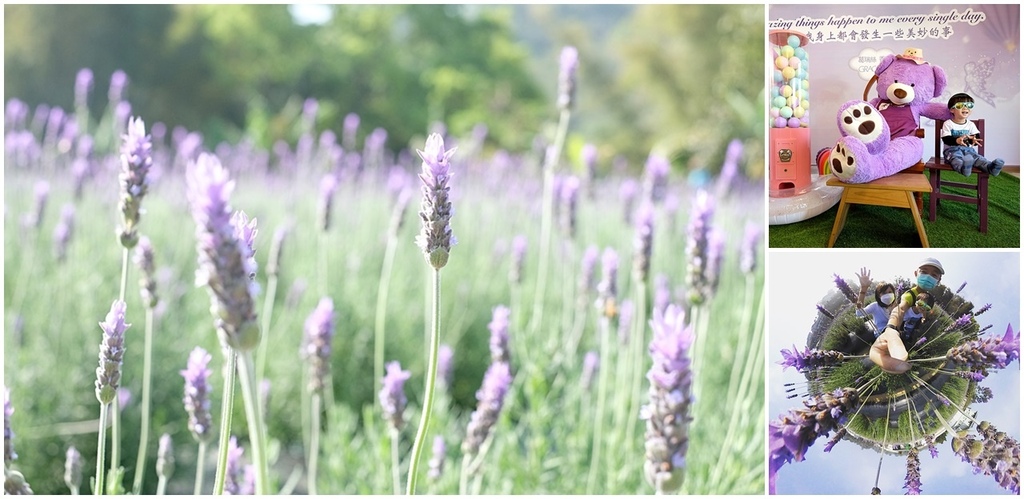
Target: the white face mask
pixel 887 299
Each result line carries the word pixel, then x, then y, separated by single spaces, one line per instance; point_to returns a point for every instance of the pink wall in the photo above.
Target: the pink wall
pixel 977 45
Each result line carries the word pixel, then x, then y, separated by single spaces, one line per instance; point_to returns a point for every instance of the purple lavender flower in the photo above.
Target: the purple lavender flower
pixel 491 398
pixel 73 468
pixel 165 457
pixel 591 363
pixel 668 412
pixel 224 258
pixel 809 359
pixel 643 243
pixel 499 334
pixel 960 322
pixel 197 394
pixel 982 394
pixel 118 81
pixel 748 251
pixel 568 63
pixel 607 289
pixel 993 453
pixel 9 454
pixel 515 272
pixel 83 84
pixel 628 191
pixel 988 352
pixel 930 441
pixel 588 154
pixel 625 321
pixel 656 177
pixel 834 440
pixel 824 311
pixel 733 154
pixel 42 193
pixel 697 248
pixel 444 365
pixel 349 128
pixel 392 395
pixel 983 309
pixel 436 238
pixel 716 250
pixel 136 161
pixel 913 480
pixel 63 231
pixel 843 287
pixel 791 436
pixel 234 472
pixel 316 347
pixel 328 186
pixel 309 108
pixel 587 264
pixel 108 374
pixel 569 195
pixel 147 277
pixel 276 246
pixel 961 288
pixel 436 465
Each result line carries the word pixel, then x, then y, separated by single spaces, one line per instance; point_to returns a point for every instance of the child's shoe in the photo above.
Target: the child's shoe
pixel 995 167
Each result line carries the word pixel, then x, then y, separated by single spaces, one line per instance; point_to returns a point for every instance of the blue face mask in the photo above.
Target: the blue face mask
pixel 925 281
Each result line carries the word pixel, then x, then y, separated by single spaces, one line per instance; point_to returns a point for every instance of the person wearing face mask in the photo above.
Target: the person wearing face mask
pixel 889 351
pixel 916 315
pixel 878 310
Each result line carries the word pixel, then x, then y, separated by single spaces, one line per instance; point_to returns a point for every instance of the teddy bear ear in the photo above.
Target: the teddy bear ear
pixel 886 61
pixel 940 80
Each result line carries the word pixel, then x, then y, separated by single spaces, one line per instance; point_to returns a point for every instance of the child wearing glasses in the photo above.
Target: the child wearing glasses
pixel 960 137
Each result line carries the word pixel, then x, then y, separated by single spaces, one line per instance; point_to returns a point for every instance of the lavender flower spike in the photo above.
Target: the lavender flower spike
pixel 136 160
pixel 697 248
pixel 748 251
pixel 491 397
pixel 235 482
pixel 73 468
pixel 499 334
pixel 436 212
pixel 791 436
pixel 147 278
pixel 913 480
pixel 607 289
pixel 225 254
pixel 9 454
pixel 643 243
pixel 197 394
pixel 108 374
pixel 436 464
pixel 317 345
pixel 668 413
pixel 845 288
pixel 568 63
pixel 809 359
pixel 989 352
pixel 392 394
pixel 993 453
pixel 444 365
pixel 591 363
pixel 165 457
pixel 515 271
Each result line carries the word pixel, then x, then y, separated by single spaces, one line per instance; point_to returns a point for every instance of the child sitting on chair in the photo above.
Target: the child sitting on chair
pixel 960 137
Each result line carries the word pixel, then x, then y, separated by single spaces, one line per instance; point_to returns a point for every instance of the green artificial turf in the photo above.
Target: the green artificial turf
pixel 955 225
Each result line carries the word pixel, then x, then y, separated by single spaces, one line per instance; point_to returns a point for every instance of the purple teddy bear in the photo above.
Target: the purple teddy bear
pixel 878 137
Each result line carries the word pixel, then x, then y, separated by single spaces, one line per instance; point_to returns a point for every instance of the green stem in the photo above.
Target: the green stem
pixel 268 310
pixel 101 446
pixel 396 474
pixel 421 432
pixel 602 387
pixel 637 341
pixel 254 417
pixel 381 316
pixel 200 465
pixel 464 475
pixel 227 405
pixel 115 416
pixel 161 486
pixel 550 161
pixel 314 444
pixel 147 373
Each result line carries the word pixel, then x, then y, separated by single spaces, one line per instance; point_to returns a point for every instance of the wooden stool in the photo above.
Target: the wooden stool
pixel 937 165
pixel 897 191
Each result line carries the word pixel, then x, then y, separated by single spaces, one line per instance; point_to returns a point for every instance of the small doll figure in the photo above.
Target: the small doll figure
pixel 960 137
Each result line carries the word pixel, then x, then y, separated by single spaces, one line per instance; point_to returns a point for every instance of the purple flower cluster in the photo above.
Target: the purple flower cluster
pixel 515 271
pixel 499 334
pixel 236 482
pixel 748 251
pixel 668 411
pixel 643 243
pixel 656 177
pixel 435 238
pixel 824 311
pixel 73 468
pixel 225 254
pixel 63 231
pixel 143 258
pixel 9 454
pixel 435 467
pixel 108 374
pixel 913 480
pixel 844 288
pixel 993 453
pixel 136 161
pixel 316 347
pixel 165 457
pixel 444 365
pixel 591 363
pixel 587 264
pixel 197 394
pixel 697 248
pixel 983 309
pixel 568 63
pixel 809 358
pixel 568 194
pixel 392 394
pixel 491 398
pixel 989 352
pixel 607 288
pixel 328 186
pixel 791 436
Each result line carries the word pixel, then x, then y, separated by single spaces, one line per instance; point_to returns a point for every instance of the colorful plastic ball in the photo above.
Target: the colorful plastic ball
pixel 775 92
pixel 788 73
pixel 774 112
pixel 793 41
pixel 800 52
pixel 781 62
pixel 786 91
pixel 777 75
pixel 786 112
pixel 787 51
pixel 781 122
pixel 779 101
pixel 798 112
pixel 794 62
pixel 793 123
pixel 806 84
pixel 802 74
pixel 806 104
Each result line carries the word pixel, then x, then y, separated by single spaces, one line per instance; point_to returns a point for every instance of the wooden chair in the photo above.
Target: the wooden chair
pixel 937 165
pixel 902 190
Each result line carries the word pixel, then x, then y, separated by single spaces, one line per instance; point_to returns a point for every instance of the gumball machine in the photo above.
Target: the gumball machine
pixel 789 135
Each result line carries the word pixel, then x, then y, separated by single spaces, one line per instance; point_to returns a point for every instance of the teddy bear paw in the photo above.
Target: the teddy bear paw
pixel 843 162
pixel 863 123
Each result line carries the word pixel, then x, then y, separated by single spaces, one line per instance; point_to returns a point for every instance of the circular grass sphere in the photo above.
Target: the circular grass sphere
pixel 786 112
pixel 779 101
pixel 781 62
pixel 788 73
pixel 798 112
pixel 780 122
pixel 786 90
pixel 793 41
pixel 787 51
pixel 793 123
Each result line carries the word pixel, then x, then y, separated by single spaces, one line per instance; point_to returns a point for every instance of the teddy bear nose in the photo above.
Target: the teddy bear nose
pixel 899 93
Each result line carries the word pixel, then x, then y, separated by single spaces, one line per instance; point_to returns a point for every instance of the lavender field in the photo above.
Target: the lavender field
pixel 574 327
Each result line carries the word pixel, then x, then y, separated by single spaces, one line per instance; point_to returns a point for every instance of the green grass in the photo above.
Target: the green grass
pixel 955 225
pixel 542 441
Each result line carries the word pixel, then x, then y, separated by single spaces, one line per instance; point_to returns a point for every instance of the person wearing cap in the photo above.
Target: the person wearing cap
pixel 888 351
pixel 960 136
